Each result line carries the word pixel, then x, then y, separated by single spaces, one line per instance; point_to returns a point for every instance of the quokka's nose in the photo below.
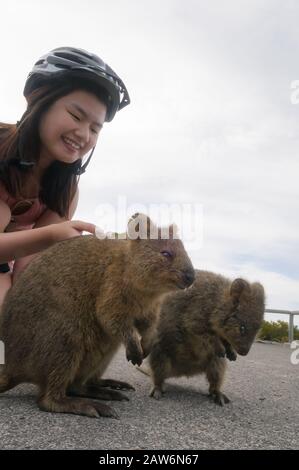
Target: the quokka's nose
pixel 243 351
pixel 188 277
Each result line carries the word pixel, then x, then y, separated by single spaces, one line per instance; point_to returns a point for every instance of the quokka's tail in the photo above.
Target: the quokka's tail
pixel 144 369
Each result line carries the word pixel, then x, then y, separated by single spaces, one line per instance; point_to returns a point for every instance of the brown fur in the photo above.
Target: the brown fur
pixel 66 315
pixel 201 325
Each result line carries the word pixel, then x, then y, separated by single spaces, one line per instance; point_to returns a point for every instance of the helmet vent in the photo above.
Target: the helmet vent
pixel 86 54
pixel 71 57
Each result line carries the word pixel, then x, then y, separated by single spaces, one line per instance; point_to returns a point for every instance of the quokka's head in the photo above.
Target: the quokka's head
pixel 159 260
pixel 246 306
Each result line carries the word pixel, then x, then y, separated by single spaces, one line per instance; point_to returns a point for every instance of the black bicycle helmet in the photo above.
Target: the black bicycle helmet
pixel 63 59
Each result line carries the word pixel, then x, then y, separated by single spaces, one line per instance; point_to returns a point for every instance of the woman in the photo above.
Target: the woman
pixel 70 94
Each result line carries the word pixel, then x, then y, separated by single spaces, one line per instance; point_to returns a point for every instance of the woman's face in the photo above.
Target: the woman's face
pixel 71 127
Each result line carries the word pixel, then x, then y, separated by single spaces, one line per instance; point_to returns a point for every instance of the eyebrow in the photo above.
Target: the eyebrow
pixel 85 114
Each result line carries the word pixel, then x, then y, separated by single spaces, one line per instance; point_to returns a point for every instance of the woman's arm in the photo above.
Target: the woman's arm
pixel 15 245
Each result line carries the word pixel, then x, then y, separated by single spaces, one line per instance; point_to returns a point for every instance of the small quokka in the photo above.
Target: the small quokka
pixel 67 313
pixel 212 319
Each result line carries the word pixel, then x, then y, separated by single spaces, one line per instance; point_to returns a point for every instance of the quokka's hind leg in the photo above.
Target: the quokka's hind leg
pixel 60 403
pixel 53 397
pixel 160 370
pixel 215 375
pixel 95 391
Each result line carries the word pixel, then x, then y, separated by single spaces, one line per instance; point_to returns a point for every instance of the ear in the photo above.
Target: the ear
pixel 139 226
pixel 258 290
pixel 237 288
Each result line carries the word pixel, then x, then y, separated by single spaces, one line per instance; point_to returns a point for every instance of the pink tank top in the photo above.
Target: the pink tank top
pixel 24 212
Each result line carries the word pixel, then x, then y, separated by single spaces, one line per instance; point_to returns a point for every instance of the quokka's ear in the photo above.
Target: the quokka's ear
pixel 139 227
pixel 237 288
pixel 258 290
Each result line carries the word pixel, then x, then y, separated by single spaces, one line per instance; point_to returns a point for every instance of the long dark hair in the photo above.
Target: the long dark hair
pixel 20 145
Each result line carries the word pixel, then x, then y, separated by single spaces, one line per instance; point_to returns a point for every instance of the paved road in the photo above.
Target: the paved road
pixel 263 387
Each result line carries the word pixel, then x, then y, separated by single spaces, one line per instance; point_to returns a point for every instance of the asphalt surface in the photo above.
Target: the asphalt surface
pixel 263 414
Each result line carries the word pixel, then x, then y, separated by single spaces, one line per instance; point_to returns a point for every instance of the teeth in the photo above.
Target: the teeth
pixel 72 143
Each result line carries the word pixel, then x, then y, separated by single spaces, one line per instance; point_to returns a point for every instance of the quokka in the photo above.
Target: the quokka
pixel 200 327
pixel 64 318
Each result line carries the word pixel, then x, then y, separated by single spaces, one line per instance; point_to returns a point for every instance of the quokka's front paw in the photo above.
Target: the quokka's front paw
pixel 229 351
pixel 231 355
pixel 134 354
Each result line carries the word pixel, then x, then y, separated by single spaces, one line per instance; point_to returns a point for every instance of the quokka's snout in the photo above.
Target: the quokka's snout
pixel 188 277
pixel 243 350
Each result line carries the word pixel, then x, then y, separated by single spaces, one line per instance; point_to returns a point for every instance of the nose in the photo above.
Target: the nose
pixel 82 133
pixel 243 350
pixel 188 277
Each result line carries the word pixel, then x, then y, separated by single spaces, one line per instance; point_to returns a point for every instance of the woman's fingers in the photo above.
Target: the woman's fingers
pixel 83 226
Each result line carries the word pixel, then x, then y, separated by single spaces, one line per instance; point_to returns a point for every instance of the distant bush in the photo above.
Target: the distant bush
pixel 276 331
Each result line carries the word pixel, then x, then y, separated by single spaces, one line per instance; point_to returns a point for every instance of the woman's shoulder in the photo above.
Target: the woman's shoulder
pixel 4 128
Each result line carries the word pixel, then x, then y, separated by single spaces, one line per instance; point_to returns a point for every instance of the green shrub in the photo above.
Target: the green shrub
pixel 276 331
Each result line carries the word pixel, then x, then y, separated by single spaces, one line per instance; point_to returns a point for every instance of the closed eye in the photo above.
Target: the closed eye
pixel 74 116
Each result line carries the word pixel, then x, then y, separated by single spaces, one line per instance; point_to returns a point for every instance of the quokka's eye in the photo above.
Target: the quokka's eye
pixel 167 254
pixel 242 330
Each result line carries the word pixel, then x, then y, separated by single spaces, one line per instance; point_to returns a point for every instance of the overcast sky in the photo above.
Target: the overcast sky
pixel 211 122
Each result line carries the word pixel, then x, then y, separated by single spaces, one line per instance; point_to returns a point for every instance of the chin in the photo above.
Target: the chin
pixel 68 160
pixel 243 352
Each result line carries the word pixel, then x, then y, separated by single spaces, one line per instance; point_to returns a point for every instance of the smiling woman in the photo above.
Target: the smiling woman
pixel 70 94
pixel 70 128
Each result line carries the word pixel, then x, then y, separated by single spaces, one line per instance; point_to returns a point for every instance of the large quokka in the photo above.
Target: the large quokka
pixel 201 325
pixel 66 315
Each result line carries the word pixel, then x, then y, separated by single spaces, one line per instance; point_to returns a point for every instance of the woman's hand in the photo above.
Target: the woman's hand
pixel 69 229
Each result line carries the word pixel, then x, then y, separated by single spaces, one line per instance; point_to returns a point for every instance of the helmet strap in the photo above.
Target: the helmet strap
pixel 82 169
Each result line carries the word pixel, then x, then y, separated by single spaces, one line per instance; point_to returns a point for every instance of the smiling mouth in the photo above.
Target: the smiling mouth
pixel 70 144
